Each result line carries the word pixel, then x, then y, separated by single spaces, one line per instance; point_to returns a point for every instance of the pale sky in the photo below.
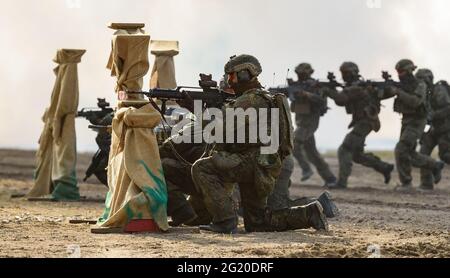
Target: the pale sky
pixel 375 34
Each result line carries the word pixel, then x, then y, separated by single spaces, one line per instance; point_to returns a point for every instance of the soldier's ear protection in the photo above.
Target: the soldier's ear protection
pixel 244 76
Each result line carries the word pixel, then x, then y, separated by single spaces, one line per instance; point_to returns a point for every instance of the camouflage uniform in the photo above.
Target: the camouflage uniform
pixel 243 163
pixel 439 134
pixel 309 105
pixel 280 198
pixel 364 106
pixel 411 103
pixel 192 211
pixel 177 160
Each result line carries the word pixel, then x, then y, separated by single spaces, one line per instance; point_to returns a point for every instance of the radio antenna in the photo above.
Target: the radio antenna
pixel 287 75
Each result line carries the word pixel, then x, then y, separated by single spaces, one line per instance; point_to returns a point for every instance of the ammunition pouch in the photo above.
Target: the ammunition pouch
pixel 371 112
pixel 302 108
pixel 401 108
pixel 267 171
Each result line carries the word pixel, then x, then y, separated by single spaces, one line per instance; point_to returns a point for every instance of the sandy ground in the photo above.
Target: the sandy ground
pixel 375 221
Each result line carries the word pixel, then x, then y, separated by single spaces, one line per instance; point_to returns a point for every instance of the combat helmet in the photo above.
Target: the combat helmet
pixel 350 67
pixel 244 62
pixel 305 68
pixel 425 75
pixel 406 65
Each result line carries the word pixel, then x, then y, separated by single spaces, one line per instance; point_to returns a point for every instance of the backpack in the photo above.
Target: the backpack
pixel 285 127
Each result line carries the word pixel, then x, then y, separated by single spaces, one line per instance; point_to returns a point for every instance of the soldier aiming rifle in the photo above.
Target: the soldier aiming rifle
pixel 101 120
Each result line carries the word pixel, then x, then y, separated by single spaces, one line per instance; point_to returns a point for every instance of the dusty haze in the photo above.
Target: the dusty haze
pixel 375 34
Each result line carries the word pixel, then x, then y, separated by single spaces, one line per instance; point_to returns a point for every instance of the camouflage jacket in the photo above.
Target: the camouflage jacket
pixel 362 102
pixel 440 107
pixel 411 100
pixel 255 99
pixel 307 98
pixel 266 167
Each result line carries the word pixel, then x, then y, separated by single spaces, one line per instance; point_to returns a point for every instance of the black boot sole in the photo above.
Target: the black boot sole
pixel 329 207
pixel 323 218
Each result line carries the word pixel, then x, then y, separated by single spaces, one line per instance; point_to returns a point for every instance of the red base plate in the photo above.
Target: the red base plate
pixel 142 226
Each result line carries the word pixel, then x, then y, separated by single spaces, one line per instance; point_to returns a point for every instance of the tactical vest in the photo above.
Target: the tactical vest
pixel 403 108
pixel 303 106
pixel 365 106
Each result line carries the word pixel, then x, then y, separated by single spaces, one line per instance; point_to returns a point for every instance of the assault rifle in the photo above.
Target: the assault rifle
pixel 207 91
pixel 294 88
pixel 387 82
pixel 95 115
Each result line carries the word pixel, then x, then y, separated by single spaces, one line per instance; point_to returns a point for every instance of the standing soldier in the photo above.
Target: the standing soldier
pixel 411 103
pixel 303 162
pixel 363 103
pixel 243 163
pixel 309 103
pixel 439 120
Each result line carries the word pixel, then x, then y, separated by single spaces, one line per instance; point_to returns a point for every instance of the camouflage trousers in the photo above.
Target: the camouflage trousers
pixel 178 182
pixel 212 175
pixel 431 140
pixel 280 197
pixel 406 155
pixel 301 157
pixel 352 150
pixel 305 148
pixel 179 186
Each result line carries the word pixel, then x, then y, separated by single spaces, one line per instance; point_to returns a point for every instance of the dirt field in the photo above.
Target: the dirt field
pixel 374 217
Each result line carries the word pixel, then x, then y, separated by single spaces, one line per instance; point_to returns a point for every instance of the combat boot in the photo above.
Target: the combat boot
pixel 198 221
pixel 310 216
pixel 330 182
pixel 183 215
pixel 387 174
pixel 340 184
pixel 307 175
pixel 425 188
pixel 437 171
pixel 226 227
pixel 295 218
pixel 329 207
pixel 317 218
pixel 407 187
